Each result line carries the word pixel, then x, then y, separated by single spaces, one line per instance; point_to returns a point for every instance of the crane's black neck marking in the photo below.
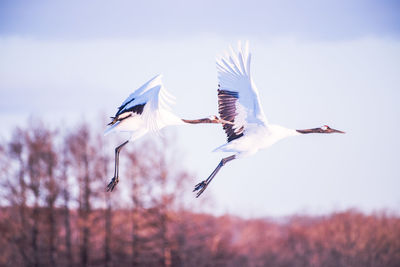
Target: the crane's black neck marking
pixel 313 130
pixel 325 130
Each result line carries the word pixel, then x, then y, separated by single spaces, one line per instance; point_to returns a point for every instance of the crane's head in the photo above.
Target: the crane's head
pixel 327 129
pixel 322 129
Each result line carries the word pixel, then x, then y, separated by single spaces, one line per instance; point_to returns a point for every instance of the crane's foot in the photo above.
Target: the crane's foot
pixel 112 184
pixel 200 187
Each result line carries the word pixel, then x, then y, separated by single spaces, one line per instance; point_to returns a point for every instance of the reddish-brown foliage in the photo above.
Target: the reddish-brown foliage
pixel 55 212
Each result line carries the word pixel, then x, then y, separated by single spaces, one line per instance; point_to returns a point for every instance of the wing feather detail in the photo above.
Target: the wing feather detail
pixel 148 101
pixel 238 100
pixel 227 111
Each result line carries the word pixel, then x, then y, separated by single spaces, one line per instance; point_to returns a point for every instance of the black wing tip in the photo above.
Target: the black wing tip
pixel 227 111
pixel 227 93
pixel 138 109
pixel 233 137
pixel 124 105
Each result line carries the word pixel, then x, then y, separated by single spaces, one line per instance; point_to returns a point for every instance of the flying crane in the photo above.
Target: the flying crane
pixel 145 110
pixel 247 129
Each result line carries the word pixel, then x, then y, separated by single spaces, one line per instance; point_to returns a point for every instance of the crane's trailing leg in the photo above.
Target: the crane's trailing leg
pixel 203 185
pixel 115 179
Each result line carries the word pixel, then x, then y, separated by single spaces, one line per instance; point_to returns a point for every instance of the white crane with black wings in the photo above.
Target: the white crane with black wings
pixel 146 110
pixel 247 129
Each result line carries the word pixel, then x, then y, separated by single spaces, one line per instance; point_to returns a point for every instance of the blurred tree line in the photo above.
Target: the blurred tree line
pixel 54 211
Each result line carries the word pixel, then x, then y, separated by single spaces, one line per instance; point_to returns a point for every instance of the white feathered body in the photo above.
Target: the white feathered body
pixel 145 110
pixel 256 138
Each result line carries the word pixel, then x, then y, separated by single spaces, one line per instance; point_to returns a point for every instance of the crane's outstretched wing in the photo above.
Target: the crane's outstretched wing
pixel 147 101
pixel 238 100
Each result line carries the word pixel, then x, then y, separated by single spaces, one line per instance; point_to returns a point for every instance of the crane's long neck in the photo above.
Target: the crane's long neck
pixel 326 130
pixel 203 120
pixel 172 119
pixel 279 132
pixel 312 130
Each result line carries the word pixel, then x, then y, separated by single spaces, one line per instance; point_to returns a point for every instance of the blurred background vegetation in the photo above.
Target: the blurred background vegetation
pixel 55 212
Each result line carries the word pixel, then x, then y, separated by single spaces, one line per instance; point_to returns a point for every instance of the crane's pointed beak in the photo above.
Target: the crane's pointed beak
pixel 337 131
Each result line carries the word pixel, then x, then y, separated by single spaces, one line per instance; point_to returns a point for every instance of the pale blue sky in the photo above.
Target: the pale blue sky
pixel 155 19
pixel 315 63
